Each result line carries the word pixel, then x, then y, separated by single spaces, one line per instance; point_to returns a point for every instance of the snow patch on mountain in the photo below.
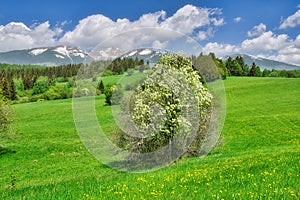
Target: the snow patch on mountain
pixel 145 52
pixel 81 54
pixel 62 50
pixel 132 53
pixel 59 56
pixel 105 54
pixel 36 52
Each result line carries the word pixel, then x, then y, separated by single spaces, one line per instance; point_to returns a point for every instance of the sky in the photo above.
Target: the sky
pixel 265 28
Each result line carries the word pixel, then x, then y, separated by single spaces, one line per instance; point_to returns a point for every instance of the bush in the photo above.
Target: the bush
pixel 113 94
pixel 35 98
pixel 170 109
pixel 41 85
pixel 108 72
pixel 58 92
pixel 19 85
pixel 5 116
pixel 23 100
pixel 133 85
pixel 130 72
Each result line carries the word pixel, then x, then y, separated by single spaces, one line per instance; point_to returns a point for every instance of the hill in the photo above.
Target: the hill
pixel 257 156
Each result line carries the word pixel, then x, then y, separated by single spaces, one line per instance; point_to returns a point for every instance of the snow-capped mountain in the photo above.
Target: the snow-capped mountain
pixel 50 56
pixel 264 63
pixel 105 54
pixel 150 55
pixel 147 54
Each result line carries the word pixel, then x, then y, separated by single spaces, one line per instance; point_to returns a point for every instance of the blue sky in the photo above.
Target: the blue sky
pixel 259 27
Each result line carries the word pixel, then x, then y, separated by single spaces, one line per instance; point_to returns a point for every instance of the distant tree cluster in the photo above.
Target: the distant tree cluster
pixel 211 68
pixel 281 73
pixel 119 65
pixel 238 67
pixel 16 80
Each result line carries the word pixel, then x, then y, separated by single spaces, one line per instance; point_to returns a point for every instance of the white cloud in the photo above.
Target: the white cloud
pixel 292 21
pixel 267 44
pixel 17 35
pixel 203 35
pixel 267 41
pixel 237 19
pixel 220 49
pixel 290 53
pixel 257 30
pixel 187 20
pixel 159 45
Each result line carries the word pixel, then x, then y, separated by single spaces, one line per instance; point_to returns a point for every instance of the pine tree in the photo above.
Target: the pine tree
pixel 5 87
pixel 101 86
pixel 11 89
pixel 253 70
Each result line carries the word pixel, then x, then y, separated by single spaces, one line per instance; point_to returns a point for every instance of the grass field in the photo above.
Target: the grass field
pixel 258 156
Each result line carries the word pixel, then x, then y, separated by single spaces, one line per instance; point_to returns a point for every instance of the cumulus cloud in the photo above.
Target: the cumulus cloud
pixel 267 41
pixel 237 19
pixel 220 49
pixel 17 35
pixel 257 30
pixel 203 35
pixel 268 45
pixel 292 21
pixel 159 45
pixel 290 53
pixel 155 29
pixel 189 20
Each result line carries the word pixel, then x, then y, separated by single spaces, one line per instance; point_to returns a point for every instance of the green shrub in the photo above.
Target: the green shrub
pixel 107 72
pixel 58 92
pixel 113 94
pixel 19 85
pixel 41 85
pixel 23 100
pixel 5 115
pixel 130 72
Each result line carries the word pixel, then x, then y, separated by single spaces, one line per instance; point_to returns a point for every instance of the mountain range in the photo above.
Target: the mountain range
pixel 62 55
pixel 50 56
pixel 264 63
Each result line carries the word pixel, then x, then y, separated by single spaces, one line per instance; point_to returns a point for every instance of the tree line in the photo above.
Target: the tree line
pixel 211 68
pixel 12 76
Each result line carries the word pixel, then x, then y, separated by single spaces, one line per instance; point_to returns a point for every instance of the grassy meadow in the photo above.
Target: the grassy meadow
pixel 257 157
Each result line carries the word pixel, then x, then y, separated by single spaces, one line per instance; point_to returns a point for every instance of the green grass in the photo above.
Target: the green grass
pixel 258 156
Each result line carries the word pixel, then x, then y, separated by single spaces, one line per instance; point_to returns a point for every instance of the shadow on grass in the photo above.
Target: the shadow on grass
pixel 4 150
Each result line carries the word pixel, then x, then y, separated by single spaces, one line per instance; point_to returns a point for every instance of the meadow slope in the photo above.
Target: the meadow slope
pixel 258 155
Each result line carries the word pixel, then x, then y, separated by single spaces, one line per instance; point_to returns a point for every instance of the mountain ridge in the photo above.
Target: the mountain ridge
pixel 264 63
pixel 62 55
pixel 48 56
